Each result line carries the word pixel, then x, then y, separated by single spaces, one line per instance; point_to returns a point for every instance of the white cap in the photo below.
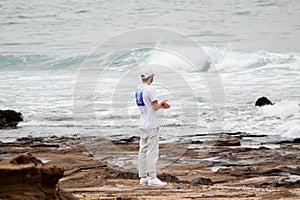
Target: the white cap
pixel 145 73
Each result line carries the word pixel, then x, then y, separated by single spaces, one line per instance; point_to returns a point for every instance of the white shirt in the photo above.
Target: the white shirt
pixel 144 96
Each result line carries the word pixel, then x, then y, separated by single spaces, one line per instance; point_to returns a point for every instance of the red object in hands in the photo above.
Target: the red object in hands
pixel 165 104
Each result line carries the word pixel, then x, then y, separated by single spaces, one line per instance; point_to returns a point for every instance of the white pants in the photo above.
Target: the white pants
pixel 148 153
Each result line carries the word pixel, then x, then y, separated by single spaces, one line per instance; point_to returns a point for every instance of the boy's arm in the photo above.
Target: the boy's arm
pixel 156 106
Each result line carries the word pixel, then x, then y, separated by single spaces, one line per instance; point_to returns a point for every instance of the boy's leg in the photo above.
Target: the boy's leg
pixel 152 152
pixel 142 163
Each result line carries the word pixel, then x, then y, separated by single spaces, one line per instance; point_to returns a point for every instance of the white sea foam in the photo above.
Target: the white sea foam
pixel 283 109
pixel 45 97
pixel 230 60
pixel 180 58
pixel 290 129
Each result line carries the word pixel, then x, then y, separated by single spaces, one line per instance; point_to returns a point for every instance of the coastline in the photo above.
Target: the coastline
pixel 225 166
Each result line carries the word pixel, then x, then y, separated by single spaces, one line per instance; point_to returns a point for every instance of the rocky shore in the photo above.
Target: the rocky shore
pixel 214 166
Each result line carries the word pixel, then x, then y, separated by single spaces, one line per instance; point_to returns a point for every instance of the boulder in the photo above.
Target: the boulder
pixel 168 178
pixel 26 158
pixel 201 181
pixel 27 178
pixel 262 101
pixel 9 118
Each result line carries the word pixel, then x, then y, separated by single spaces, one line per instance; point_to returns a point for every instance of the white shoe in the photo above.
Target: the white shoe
pixel 156 182
pixel 144 181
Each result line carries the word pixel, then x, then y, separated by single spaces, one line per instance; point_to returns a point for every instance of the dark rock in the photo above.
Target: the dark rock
pixel 196 142
pixel 263 148
pixel 251 170
pixel 45 145
pixel 255 136
pixel 291 181
pixel 30 139
pixel 262 101
pixel 294 141
pixel 122 198
pixel 286 169
pixel 9 118
pixel 234 165
pixel 131 139
pixel 168 178
pixel 238 133
pixel 292 170
pixel 127 140
pixel 287 181
pixel 201 181
pixel 3 152
pixel 227 140
pixel 297 140
pixel 126 175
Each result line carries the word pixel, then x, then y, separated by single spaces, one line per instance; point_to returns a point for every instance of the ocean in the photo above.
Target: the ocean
pixel 64 66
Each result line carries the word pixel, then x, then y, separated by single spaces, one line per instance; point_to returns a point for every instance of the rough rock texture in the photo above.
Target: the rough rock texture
pixel 262 101
pixel 228 140
pixel 125 175
pixel 26 158
pixel 27 178
pixel 168 178
pixel 201 181
pixel 261 167
pixel 9 118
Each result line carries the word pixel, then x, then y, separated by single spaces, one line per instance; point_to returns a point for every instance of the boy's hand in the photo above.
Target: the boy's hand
pixel 164 104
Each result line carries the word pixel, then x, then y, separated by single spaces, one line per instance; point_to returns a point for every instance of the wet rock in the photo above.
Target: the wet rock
pixel 294 170
pixel 45 145
pixel 291 169
pixel 3 152
pixel 201 181
pixel 125 175
pixel 294 141
pixel 132 139
pixel 291 181
pixel 262 101
pixel 227 140
pixel 9 118
pixel 132 175
pixel 297 140
pixel 119 198
pixel 197 142
pixel 168 178
pixel 262 171
pixel 30 139
pixel 26 178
